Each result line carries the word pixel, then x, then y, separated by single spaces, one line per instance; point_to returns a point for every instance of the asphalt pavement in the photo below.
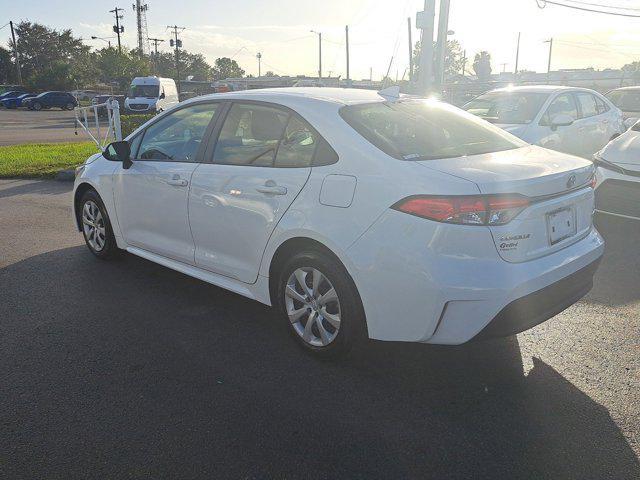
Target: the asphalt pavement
pixel 18 126
pixel 126 369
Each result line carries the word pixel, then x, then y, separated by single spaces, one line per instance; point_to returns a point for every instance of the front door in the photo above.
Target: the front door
pixel 262 160
pixel 561 138
pixel 152 195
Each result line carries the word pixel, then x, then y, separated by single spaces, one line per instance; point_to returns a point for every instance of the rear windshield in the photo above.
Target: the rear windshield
pixel 426 130
pixel 625 101
pixel 507 107
pixel 150 91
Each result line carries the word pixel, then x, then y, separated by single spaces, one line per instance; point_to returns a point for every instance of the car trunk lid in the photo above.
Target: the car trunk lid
pixel 557 185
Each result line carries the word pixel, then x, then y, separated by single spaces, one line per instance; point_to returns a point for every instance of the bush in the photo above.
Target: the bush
pixel 129 123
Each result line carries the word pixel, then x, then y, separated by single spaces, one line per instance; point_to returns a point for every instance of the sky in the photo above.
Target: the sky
pixel 281 31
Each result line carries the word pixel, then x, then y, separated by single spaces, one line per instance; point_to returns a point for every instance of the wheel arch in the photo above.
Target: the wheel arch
pixel 81 189
pixel 298 244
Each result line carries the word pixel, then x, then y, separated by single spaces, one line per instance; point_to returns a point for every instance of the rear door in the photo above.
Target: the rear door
pixel 592 125
pixel 261 160
pixel 151 196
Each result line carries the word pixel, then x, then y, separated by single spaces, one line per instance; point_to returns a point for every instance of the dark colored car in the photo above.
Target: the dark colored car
pixel 12 94
pixel 15 102
pixel 99 99
pixel 8 88
pixel 63 100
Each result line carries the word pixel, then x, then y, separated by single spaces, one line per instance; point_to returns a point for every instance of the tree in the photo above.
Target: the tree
pixel 226 68
pixel 632 69
pixel 271 74
pixel 453 58
pixel 482 66
pixel 113 66
pixel 191 64
pixel 7 67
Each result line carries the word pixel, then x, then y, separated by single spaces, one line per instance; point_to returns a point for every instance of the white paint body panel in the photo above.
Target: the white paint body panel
pixel 406 269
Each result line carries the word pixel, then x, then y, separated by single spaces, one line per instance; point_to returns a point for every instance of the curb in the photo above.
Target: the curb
pixel 66 176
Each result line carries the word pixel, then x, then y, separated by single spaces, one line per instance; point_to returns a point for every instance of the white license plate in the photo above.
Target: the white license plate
pixel 561 224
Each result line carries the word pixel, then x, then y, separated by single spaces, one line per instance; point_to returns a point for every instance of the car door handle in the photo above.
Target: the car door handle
pixel 178 182
pixel 272 190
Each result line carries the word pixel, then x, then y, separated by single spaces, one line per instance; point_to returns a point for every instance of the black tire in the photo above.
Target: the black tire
pixel 70 106
pixel 352 319
pixel 37 106
pixel 110 249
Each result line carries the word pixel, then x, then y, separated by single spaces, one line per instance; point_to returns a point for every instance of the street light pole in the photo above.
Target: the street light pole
pixel 550 42
pixel 259 57
pixel 319 54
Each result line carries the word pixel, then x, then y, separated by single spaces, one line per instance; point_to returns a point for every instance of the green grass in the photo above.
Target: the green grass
pixel 43 159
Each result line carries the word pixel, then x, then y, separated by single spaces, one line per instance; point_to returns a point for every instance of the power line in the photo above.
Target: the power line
pixel 543 3
pixel 610 7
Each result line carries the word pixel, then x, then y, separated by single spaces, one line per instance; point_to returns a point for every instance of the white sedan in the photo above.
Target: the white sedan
pixel 354 214
pixel 618 188
pixel 568 119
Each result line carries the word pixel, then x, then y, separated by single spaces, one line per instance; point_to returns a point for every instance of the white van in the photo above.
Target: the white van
pixel 151 95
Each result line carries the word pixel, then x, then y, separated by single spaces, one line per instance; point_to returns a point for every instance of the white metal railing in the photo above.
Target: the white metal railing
pixel 87 115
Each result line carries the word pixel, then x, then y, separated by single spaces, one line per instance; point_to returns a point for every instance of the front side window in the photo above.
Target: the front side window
pixel 507 107
pixel 250 135
pixel 587 103
pixel 563 105
pixel 426 130
pixel 177 136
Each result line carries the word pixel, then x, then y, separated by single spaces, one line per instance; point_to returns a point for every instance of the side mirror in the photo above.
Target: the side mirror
pixel 561 120
pixel 118 152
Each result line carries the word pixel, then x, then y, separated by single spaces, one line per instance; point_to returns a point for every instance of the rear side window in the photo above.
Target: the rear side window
pixel 563 104
pixel 601 105
pixel 250 135
pixel 587 103
pixel 426 130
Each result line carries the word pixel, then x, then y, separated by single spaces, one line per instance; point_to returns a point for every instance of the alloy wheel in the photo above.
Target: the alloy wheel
pixel 93 226
pixel 313 306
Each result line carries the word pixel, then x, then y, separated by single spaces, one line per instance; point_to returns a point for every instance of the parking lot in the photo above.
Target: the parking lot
pixel 129 370
pixel 25 126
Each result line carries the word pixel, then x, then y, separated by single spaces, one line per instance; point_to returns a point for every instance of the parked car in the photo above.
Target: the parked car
pixel 578 121
pixel 15 102
pixel 82 95
pixel 352 213
pixel 151 95
pixel 63 100
pixel 618 188
pixel 627 99
pixel 9 88
pixel 12 94
pixel 100 99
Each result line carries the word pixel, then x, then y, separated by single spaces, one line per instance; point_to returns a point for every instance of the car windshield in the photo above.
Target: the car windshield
pixel 507 107
pixel 150 91
pixel 627 101
pixel 426 130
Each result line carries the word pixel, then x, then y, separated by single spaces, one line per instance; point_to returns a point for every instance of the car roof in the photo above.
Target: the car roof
pixel 537 89
pixel 293 95
pixel 629 89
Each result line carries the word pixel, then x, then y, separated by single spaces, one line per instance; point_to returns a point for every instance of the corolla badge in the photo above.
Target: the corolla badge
pixel 571 181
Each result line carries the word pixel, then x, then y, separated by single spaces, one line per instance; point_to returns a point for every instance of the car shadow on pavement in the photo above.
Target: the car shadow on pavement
pixel 127 369
pixel 25 186
pixel 617 281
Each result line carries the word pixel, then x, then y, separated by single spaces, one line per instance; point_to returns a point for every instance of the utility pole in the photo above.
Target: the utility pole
pixel 504 67
pixel 176 42
pixel 117 28
pixel 155 42
pixel 16 54
pixel 517 54
pixel 259 57
pixel 410 51
pixel 441 46
pixel 550 42
pixel 424 21
pixel 346 33
pixel 319 54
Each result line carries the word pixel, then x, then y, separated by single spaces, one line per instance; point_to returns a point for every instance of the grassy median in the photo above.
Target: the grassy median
pixel 43 159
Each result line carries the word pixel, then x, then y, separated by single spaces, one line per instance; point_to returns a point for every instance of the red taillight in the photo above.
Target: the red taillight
pixel 465 210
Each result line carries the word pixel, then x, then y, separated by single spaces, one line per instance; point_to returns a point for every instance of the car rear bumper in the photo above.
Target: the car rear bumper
pixel 423 281
pixel 537 307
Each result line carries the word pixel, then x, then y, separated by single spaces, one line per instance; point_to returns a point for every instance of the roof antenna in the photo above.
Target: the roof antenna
pixel 391 94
